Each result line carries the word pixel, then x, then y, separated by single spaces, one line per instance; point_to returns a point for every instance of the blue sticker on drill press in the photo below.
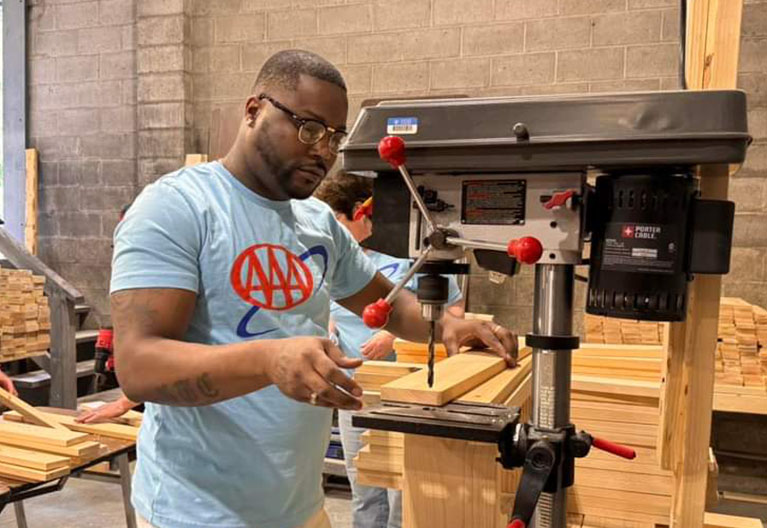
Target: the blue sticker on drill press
pixel 402 125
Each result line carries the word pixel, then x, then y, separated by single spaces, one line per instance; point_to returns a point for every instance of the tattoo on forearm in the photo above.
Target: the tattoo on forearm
pixel 188 391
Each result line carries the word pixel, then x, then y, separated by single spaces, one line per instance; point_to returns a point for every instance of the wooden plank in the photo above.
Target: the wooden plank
pixel 452 378
pixel 618 351
pixel 740 404
pixel 80 450
pixel 599 478
pixel 40 435
pixel 652 365
pixel 717 520
pixel 609 412
pixel 31 475
pixel 390 368
pixel 498 388
pixel 379 479
pixel 195 159
pixel 29 412
pixel 30 227
pixel 31 459
pixel 450 484
pixel 111 430
pixel 616 500
pixel 383 438
pixel 615 386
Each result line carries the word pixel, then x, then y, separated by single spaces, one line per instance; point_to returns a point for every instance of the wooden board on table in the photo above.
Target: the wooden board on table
pixel 79 450
pixel 111 430
pixel 383 438
pixel 26 410
pixel 498 388
pixel 39 435
pixel 31 459
pixel 31 475
pixel 452 378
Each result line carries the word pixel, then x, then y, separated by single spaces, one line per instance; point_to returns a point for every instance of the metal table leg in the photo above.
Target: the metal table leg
pixel 123 464
pixel 21 517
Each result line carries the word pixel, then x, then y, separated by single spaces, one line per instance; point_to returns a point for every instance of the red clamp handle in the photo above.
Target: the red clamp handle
pixel 376 315
pixel 613 448
pixel 391 149
pixel 526 249
pixel 517 523
pixel 558 199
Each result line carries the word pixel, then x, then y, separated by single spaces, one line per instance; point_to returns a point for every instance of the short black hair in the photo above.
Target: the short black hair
pixel 342 191
pixel 285 67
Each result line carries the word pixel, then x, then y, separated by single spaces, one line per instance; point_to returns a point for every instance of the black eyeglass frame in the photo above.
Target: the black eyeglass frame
pixel 299 123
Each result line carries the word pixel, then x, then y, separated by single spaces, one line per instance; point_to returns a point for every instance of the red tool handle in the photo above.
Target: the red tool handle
pixel 613 448
pixel 559 199
pixel 516 523
pixel 376 315
pixel 526 249
pixel 391 149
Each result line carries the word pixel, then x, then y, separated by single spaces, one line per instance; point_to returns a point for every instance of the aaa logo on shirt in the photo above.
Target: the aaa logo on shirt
pixel 271 277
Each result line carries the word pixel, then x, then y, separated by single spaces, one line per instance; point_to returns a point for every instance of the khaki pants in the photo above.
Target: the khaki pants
pixel 318 520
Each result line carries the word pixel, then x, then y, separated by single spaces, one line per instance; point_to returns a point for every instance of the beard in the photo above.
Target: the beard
pixel 283 175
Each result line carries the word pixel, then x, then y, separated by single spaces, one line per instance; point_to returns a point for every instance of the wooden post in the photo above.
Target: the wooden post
pixel 688 381
pixel 30 228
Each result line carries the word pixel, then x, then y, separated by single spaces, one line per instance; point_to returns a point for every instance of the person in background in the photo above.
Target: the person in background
pixel 348 195
pixel 7 384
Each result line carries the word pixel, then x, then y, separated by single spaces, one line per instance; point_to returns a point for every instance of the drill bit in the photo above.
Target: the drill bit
pixel 430 378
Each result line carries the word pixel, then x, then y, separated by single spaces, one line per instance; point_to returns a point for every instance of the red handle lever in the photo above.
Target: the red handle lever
pixel 376 315
pixel 526 249
pixel 558 199
pixel 391 149
pixel 613 448
pixel 516 523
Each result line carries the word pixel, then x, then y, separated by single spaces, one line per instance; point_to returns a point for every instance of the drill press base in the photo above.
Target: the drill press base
pixel 487 423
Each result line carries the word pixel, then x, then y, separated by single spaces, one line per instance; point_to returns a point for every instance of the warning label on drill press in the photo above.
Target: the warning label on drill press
pixel 640 248
pixel 500 202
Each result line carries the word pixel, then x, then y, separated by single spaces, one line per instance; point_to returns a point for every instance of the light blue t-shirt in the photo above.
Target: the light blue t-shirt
pixel 350 330
pixel 261 269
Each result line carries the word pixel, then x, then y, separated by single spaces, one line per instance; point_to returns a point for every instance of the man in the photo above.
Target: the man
pixel 347 195
pixel 222 278
pixel 7 384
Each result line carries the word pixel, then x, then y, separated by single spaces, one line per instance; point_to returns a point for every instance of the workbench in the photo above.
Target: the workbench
pixel 117 452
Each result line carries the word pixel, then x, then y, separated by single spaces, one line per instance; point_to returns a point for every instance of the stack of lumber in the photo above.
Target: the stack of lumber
pixel 637 362
pixel 609 489
pixel 609 330
pixel 37 446
pixel 739 360
pixel 25 317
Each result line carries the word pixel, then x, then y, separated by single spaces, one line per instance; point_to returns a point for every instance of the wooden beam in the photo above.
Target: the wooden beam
pixel 111 430
pixel 717 520
pixel 498 388
pixel 31 475
pixel 32 459
pixel 688 377
pixel 82 449
pixel 452 377
pixel 616 386
pixel 26 410
pixel 41 435
pixel 30 228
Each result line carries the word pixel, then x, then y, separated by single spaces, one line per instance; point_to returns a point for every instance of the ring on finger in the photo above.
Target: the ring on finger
pixel 313 398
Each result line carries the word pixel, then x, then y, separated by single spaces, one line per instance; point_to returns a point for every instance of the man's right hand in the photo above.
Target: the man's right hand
pixel 305 366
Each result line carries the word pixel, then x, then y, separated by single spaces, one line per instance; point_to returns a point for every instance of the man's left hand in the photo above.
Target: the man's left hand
pixel 469 332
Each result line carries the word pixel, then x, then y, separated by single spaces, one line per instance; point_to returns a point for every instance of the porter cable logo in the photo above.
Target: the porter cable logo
pixel 646 232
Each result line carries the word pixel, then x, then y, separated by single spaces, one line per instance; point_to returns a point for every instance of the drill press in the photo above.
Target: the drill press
pixel 515 174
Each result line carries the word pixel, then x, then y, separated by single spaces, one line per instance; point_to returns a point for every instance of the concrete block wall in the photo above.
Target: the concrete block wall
pixel 196 57
pixel 82 119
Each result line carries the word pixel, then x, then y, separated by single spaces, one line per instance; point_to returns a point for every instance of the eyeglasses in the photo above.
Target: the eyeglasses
pixel 310 131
